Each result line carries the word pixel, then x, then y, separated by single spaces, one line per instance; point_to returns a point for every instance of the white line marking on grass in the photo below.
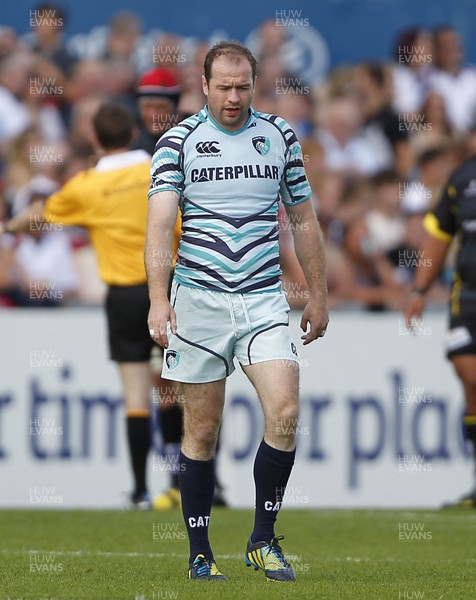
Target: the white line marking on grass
pixel 295 557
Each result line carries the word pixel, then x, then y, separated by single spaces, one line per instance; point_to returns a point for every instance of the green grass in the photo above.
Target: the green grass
pixel 346 554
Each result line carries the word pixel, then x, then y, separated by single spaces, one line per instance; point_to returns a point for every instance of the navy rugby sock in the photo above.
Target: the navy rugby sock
pixel 271 472
pixel 197 483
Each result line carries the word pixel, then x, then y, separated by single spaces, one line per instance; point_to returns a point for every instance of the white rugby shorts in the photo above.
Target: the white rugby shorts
pixel 215 327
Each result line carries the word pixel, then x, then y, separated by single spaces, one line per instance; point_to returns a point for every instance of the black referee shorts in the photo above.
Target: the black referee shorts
pixel 127 309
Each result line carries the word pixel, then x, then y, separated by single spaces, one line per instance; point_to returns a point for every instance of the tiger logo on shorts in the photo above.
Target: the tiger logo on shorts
pixel 172 359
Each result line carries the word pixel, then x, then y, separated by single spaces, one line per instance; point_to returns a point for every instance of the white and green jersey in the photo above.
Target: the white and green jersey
pixel 229 185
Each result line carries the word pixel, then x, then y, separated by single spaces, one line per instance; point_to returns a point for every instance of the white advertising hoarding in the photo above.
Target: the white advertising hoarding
pixel 380 422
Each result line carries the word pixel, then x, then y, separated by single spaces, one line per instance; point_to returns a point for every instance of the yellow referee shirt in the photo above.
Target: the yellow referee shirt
pixel 110 201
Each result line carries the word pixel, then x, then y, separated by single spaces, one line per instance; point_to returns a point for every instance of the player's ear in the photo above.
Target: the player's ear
pixel 204 85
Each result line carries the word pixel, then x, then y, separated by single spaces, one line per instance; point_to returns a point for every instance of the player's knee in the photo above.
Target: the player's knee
pixel 467 376
pixel 288 412
pixel 206 433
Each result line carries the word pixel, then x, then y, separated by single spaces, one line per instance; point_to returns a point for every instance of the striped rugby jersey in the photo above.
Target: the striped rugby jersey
pixel 229 185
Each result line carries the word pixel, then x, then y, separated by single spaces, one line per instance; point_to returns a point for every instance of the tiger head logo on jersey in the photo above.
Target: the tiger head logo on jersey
pixel 261 144
pixel 172 359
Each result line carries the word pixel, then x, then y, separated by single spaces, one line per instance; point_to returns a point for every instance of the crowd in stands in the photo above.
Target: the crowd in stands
pixel 379 141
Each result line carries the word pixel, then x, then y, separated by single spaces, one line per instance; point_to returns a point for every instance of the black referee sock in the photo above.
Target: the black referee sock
pixel 196 479
pixel 271 472
pixel 139 439
pixel 469 429
pixel 171 430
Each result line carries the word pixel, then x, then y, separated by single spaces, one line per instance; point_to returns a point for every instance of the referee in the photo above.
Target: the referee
pixel 455 216
pixel 109 201
pixel 226 168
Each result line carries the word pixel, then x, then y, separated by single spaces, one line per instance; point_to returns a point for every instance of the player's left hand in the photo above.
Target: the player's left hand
pixel 315 316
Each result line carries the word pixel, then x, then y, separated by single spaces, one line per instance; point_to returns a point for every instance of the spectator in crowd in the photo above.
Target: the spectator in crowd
pixel 89 78
pixel 453 79
pixel 48 22
pixel 192 98
pixel 414 104
pixel 383 125
pixel 158 95
pixel 384 221
pixel 346 149
pixel 15 117
pixel 123 34
pixel 433 169
pixel 42 273
pixel 411 70
pixel 431 127
pixel 373 281
pixel 9 42
pixel 295 104
pixel 24 98
pixel 271 71
pixel 168 53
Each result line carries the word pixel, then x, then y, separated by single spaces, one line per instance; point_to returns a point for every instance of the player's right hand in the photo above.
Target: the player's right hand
pixel 414 310
pixel 160 314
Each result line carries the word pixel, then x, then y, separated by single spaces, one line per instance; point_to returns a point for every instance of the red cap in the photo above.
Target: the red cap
pixel 159 83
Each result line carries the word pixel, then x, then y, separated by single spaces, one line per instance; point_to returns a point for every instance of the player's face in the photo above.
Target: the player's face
pixel 156 114
pixel 229 92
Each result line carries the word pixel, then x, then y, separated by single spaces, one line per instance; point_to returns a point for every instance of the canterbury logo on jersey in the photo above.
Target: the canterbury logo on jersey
pixel 207 147
pixel 236 172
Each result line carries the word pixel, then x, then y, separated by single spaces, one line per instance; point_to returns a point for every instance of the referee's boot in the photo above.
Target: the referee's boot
pixel 269 558
pixel 205 569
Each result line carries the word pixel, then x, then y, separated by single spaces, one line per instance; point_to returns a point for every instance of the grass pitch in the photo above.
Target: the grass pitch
pixel 337 554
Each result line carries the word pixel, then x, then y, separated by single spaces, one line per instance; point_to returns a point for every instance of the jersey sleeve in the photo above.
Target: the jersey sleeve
pixel 166 171
pixel 65 206
pixel 441 221
pixel 295 187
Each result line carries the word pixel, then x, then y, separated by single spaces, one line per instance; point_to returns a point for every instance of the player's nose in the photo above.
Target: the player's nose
pixel 233 95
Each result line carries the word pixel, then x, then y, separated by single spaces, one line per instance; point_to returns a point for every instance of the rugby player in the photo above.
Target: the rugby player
pixel 226 168
pixel 454 215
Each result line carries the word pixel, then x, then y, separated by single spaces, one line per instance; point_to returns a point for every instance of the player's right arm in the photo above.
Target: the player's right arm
pixel 436 250
pixel 161 218
pixel 166 186
pixel 441 226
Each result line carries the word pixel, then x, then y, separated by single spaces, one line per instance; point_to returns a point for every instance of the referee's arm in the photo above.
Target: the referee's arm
pixel 22 222
pixel 161 218
pixel 309 246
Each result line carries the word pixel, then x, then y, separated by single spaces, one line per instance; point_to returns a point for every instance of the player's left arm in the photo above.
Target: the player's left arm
pixel 309 246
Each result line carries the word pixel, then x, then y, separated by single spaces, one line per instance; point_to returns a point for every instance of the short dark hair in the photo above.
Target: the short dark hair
pixel 113 126
pixel 59 11
pixel 442 29
pixel 385 177
pixel 431 154
pixel 376 72
pixel 233 51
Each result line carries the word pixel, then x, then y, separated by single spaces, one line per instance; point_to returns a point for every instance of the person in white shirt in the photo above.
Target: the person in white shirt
pixel 454 80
